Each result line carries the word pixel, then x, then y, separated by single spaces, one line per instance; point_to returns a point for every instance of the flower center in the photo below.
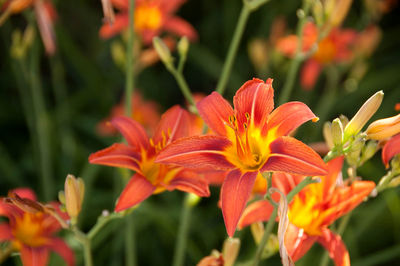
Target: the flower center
pixel 30 230
pixel 147 17
pixel 248 151
pixel 326 51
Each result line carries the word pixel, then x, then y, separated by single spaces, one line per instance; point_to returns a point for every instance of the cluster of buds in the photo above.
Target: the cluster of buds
pixel 330 13
pixel 72 197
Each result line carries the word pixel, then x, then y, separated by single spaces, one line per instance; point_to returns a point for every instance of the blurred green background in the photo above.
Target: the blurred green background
pixel 81 83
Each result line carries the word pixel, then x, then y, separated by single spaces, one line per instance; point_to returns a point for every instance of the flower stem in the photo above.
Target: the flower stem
pixel 129 61
pixel 130 248
pixel 85 241
pixel 41 123
pixel 294 65
pixel 180 245
pixel 101 222
pixel 183 86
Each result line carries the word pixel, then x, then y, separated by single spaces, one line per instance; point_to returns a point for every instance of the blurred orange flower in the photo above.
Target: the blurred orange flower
pixel 144 112
pixel 31 230
pixel 312 210
pixel 335 48
pixel 140 153
pixel 152 17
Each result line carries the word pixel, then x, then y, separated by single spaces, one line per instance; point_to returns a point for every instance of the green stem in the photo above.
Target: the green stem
pixel 268 228
pixel 129 241
pixel 233 47
pixel 179 254
pixel 85 241
pixel 298 58
pixel 129 62
pixel 101 222
pixel 41 123
pixel 183 86
pixel 5 253
pixel 342 226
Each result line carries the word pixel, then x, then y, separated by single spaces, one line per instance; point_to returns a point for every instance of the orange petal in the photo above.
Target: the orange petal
pixel 25 193
pixel 215 111
pixel 309 74
pixel 109 30
pixel 391 148
pixel 288 117
pixel 137 190
pixel 204 152
pixel 133 132
pixel 59 246
pixel 297 242
pixel 181 28
pixel 117 155
pixel 121 4
pixel 285 182
pixel 329 181
pixel 174 124
pixel 258 211
pixel 293 156
pixel 34 256
pixel 346 199
pixel 335 246
pixel 5 232
pixel 254 98
pixel 189 181
pixel 235 192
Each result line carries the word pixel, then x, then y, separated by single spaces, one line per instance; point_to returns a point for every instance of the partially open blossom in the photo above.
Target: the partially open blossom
pixel 312 210
pixel 384 128
pixel 391 148
pixel 31 231
pixel 249 140
pixel 144 112
pixel 152 17
pixel 336 47
pixel 362 116
pixel 140 153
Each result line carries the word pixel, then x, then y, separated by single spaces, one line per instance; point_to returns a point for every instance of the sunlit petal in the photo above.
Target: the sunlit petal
pixel 133 132
pixel 258 211
pixel 334 245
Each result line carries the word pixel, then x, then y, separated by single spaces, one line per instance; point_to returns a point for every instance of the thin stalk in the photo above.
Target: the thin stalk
pixel 179 254
pixel 180 79
pixel 129 86
pixel 129 236
pixel 41 123
pixel 294 65
pixel 342 226
pixel 268 228
pixel 85 241
pixel 233 47
pixel 101 222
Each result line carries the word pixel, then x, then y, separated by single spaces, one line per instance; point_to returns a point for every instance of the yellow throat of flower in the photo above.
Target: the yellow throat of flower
pixel 147 17
pixel 250 149
pixel 29 230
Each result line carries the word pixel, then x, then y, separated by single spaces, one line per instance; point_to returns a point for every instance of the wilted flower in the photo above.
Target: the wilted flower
pixel 140 153
pixel 250 140
pixel 312 210
pixel 151 19
pixel 31 230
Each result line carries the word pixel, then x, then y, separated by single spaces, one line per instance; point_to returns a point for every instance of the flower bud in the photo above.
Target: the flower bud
pixel 258 53
pixel 183 46
pixel 318 12
pixel 327 132
pixel 384 128
pixel 338 12
pixel 163 52
pixel 118 53
pixel 192 200
pixel 337 132
pixel 369 150
pixel 74 193
pixel 230 250
pixel 353 156
pixel 366 111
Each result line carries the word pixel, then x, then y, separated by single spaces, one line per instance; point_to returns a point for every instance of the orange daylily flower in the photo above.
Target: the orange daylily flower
pixel 151 18
pixel 335 48
pixel 391 148
pixel 144 112
pixel 31 230
pixel 249 140
pixel 312 210
pixel 140 153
